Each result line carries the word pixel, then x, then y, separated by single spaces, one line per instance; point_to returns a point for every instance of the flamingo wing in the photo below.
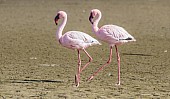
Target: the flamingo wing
pixel 113 34
pixel 77 40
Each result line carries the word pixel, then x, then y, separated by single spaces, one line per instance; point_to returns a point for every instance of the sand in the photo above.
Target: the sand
pixel 34 66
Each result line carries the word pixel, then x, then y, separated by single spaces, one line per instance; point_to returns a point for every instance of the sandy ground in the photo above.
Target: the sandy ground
pixel 34 66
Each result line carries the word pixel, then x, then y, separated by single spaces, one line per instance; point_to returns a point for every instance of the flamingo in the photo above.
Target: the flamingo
pixel 112 34
pixel 75 40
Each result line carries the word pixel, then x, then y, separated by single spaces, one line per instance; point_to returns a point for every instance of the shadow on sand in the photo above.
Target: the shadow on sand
pixel 32 81
pixel 136 54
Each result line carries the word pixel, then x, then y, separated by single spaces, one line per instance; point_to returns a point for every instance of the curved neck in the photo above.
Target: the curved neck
pixel 60 28
pixel 95 23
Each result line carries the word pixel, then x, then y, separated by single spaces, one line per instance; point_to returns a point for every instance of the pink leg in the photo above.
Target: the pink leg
pixel 118 60
pixel 77 77
pixel 90 59
pixel 101 68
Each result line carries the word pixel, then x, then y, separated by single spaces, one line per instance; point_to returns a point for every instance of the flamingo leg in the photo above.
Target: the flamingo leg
pixel 77 77
pixel 118 60
pixel 101 68
pixel 90 59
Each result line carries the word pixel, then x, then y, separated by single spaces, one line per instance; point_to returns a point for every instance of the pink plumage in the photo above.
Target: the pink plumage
pixel 77 40
pixel 112 34
pixel 74 40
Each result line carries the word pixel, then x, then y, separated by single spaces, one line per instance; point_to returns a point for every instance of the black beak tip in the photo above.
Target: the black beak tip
pixel 56 23
pixel 91 22
pixel 56 19
pixel 91 18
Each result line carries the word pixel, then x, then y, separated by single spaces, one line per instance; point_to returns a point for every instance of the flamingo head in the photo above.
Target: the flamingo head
pixel 60 15
pixel 93 14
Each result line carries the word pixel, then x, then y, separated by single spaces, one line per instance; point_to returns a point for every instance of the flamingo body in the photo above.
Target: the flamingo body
pixel 114 35
pixel 77 40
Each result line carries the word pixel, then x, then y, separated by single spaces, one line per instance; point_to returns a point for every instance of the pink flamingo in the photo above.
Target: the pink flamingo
pixel 111 34
pixel 74 40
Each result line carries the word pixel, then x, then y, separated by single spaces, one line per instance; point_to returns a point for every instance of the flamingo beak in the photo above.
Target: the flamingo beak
pixel 56 19
pixel 91 18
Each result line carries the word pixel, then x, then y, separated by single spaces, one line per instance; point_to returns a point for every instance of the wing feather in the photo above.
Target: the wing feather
pixel 114 34
pixel 77 40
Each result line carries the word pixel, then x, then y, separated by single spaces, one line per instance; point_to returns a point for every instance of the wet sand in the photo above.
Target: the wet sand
pixel 34 66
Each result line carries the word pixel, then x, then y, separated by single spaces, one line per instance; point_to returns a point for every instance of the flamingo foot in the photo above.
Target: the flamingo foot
pixel 76 81
pixel 90 78
pixel 118 84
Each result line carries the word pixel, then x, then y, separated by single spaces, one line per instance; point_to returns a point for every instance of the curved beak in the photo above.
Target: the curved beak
pixel 91 18
pixel 56 19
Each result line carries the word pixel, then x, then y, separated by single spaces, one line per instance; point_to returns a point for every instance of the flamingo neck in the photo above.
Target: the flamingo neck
pixel 96 21
pixel 60 28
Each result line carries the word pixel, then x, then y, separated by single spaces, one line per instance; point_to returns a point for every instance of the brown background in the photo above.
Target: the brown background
pixel 33 64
